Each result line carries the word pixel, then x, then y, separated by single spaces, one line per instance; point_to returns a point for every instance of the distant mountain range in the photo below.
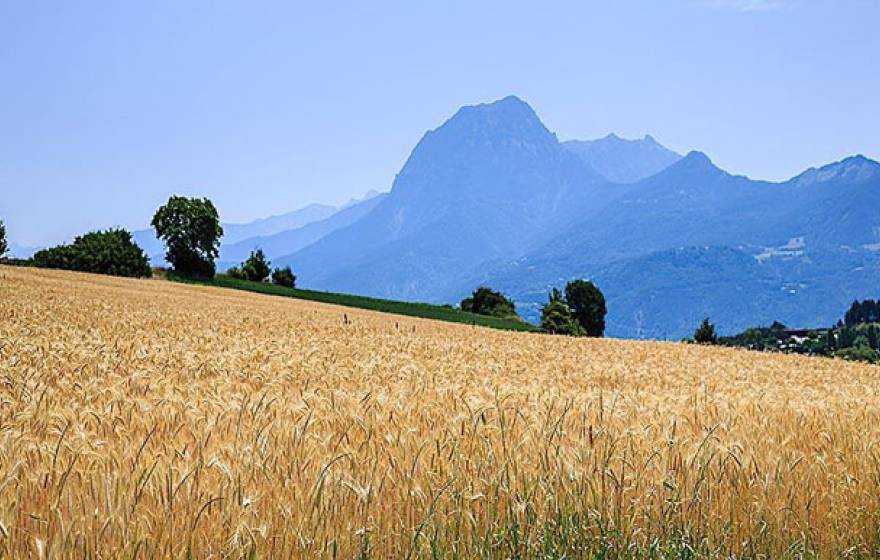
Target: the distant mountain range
pixel 235 233
pixel 694 241
pixel 493 197
pixel 290 240
pixel 20 251
pixel 490 184
pixel 276 235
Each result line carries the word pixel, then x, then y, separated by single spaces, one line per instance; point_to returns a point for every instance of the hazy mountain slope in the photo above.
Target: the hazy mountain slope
pixel 290 241
pixel 490 183
pixel 690 203
pixel 666 294
pixel 237 232
pixel 678 207
pixel 810 237
pixel 491 197
pixel 623 161
pixel 146 240
pixel 233 233
pixel 837 204
pixel 21 251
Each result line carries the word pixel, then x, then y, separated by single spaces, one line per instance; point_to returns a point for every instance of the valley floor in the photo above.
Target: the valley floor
pixel 143 418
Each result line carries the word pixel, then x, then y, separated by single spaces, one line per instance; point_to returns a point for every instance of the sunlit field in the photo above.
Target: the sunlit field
pixel 148 419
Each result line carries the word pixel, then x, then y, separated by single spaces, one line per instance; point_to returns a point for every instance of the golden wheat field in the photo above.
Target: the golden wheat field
pixel 146 419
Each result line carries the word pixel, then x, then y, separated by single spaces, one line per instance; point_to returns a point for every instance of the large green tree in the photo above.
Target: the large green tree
pixel 587 304
pixel 191 231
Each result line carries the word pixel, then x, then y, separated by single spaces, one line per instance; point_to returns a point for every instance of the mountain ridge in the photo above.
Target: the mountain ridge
pixel 800 231
pixel 491 170
pixel 280 244
pixel 491 196
pixel 623 161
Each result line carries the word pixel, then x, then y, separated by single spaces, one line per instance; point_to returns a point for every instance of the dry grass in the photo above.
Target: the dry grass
pixel 149 419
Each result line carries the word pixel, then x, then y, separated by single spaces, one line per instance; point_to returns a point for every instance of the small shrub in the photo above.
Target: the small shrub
pixel 284 277
pixel 557 317
pixel 705 333
pixel 235 272
pixel 859 353
pixel 256 267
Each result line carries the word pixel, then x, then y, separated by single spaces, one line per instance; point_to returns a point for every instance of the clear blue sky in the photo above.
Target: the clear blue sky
pixel 106 108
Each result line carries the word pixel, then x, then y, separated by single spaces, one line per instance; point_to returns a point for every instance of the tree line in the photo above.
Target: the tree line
pixel 856 337
pixel 862 312
pixel 189 228
pixel 578 311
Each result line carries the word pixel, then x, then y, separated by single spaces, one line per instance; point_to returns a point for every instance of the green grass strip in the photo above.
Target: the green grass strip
pixel 423 310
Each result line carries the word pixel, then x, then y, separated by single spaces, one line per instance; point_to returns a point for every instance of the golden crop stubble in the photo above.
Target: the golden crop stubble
pixel 144 417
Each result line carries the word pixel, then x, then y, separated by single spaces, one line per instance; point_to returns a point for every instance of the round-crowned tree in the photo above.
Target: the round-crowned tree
pixel 191 231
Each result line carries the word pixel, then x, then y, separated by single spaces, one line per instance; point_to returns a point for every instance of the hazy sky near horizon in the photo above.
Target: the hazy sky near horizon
pixel 107 108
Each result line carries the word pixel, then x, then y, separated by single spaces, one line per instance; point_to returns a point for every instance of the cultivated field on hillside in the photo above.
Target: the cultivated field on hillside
pixel 143 418
pixel 423 310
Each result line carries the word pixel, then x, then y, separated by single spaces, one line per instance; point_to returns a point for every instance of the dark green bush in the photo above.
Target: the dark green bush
pixel 485 301
pixel 705 333
pixel 235 272
pixel 859 353
pixel 860 312
pixel 557 317
pixel 284 277
pixel 101 252
pixel 256 268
